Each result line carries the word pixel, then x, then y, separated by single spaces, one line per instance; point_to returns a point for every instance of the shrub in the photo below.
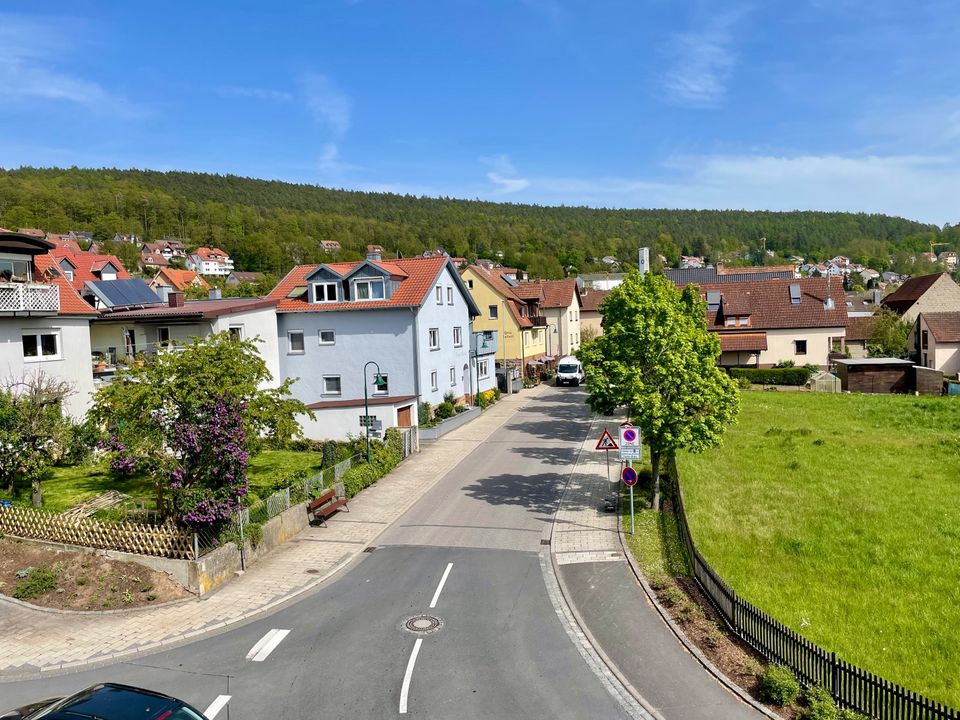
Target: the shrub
pixel 358 477
pixel 444 410
pixel 778 686
pixel 423 414
pixel 743 383
pixel 331 453
pixel 713 635
pixel 459 409
pixel 496 393
pixel 690 612
pixel 818 705
pixel 448 397
pixel 254 533
pixel 847 714
pixel 672 595
pixel 772 376
pixel 786 364
pixel 39 581
pixel 487 398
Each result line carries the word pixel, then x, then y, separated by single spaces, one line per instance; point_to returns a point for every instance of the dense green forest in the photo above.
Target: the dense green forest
pixel 272 225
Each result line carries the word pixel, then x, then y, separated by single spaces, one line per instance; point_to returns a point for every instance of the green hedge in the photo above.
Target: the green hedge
pixel 384 457
pixel 773 376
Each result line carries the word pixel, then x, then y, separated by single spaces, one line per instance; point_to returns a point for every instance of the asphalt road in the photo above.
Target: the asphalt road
pixel 470 547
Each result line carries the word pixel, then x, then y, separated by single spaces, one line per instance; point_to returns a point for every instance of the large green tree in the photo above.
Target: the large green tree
pixel 889 336
pixel 657 358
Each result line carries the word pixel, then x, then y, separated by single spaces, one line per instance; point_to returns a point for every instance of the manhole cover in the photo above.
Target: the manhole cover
pixel 422 624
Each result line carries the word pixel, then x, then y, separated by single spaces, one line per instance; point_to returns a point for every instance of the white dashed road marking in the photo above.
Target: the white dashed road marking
pixel 443 580
pixel 405 690
pixel 216 706
pixel 266 645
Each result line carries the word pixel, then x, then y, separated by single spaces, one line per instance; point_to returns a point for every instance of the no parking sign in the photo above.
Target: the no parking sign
pixel 629 442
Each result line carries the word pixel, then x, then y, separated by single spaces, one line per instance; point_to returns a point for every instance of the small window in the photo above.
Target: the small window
pixel 295 342
pixel 327 337
pixel 369 289
pixel 457 336
pixel 236 332
pixel 449 296
pixel 483 369
pixel 433 380
pixel 325 292
pixel 41 346
pixel 439 294
pixel 384 387
pixel 453 376
pixel 470 284
pixel 743 320
pixel 729 321
pixel 924 340
pixel 526 339
pixel 434 338
pixel 68 274
pixel 801 347
pixel 163 335
pixel 331 384
pixel 493 312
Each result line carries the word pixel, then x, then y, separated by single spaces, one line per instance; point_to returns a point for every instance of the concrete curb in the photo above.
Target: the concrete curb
pixel 681 636
pixel 6 599
pixel 565 593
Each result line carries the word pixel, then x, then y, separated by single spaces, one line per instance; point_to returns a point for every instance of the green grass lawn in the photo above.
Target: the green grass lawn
pixel 840 516
pixel 68 486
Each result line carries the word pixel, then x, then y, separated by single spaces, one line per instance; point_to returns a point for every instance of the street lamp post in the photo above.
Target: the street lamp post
pixel 379 382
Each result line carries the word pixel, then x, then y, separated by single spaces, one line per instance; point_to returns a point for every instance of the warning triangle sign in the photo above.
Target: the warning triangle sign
pixel 607 442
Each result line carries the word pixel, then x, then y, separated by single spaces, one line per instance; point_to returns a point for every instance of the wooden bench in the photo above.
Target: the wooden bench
pixel 326 505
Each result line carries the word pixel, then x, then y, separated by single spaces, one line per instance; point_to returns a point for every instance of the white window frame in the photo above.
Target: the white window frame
pixel 457 336
pixel 239 330
pixel 438 292
pixel 39 333
pixel 730 321
pixel 385 390
pixel 318 298
pixel 434 380
pixel 327 392
pixel 433 338
pixel 449 295
pixel 160 340
pixel 483 369
pixel 321 341
pixel 453 377
pixel 370 283
pixel 494 311
pixel 303 342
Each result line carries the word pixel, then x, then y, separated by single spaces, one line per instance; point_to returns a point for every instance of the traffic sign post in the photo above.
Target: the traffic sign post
pixel 607 443
pixel 629 442
pixel 630 477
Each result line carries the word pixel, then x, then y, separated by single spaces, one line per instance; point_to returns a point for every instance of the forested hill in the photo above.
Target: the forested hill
pixel 271 225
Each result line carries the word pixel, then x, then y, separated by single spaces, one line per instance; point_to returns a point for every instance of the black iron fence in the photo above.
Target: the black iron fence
pixel 850 686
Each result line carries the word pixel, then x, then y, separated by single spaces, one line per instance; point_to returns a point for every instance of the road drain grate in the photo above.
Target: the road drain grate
pixel 544 541
pixel 422 624
pixel 370 549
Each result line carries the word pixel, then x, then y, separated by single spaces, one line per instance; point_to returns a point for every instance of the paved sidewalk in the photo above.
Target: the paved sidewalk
pixel 38 641
pixel 613 610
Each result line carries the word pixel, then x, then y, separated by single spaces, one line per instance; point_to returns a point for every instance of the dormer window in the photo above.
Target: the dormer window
pixel 369 289
pixel 325 292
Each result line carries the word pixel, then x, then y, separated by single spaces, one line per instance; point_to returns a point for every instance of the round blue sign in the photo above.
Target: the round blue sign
pixel 629 476
pixel 629 435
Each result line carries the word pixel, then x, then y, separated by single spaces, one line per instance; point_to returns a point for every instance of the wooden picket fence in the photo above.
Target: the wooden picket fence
pixel 851 686
pixel 167 541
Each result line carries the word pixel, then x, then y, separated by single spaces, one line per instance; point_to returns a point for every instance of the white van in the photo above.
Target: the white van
pixel 569 371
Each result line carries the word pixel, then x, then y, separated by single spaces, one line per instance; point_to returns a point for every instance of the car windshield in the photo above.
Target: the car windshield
pixel 568 368
pixel 115 703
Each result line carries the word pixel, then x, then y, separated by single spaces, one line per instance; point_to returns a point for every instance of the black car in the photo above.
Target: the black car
pixel 108 701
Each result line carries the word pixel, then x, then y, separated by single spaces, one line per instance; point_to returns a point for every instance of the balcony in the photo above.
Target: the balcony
pixel 29 297
pixel 539 320
pixel 484 343
pixel 106 361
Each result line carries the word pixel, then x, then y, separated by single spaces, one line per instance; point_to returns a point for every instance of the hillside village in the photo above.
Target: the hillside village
pixel 438 327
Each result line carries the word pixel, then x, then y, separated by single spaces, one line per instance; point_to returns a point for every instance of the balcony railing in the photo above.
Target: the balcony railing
pixel 29 297
pixel 539 320
pixel 107 360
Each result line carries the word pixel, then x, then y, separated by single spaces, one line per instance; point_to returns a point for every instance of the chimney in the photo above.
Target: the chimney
pixel 374 252
pixel 215 294
pixel 175 299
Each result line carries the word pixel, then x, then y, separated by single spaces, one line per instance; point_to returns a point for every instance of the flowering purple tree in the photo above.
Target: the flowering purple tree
pixel 209 478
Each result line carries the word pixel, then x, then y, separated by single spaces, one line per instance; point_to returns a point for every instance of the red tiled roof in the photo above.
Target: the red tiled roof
pixel 903 298
pixel 944 326
pixel 86 264
pixel 193 308
pixel 529 291
pixel 210 254
pixel 153 259
pixel 767 302
pixel 860 328
pixel 180 279
pixel 417 277
pixel 592 299
pixel 70 301
pixel 743 342
pixel 65 243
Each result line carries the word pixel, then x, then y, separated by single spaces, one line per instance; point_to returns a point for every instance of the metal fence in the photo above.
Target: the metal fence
pixel 850 686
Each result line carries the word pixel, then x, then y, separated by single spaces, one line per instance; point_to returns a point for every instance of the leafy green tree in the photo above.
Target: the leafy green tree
pixel 657 358
pixel 889 336
pixel 145 405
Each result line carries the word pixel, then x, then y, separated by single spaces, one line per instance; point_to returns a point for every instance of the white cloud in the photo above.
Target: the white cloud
pixel 504 175
pixel 29 51
pixel 702 62
pixel 255 93
pixel 328 105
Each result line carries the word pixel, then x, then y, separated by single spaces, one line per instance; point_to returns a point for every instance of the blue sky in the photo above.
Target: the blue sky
pixel 807 104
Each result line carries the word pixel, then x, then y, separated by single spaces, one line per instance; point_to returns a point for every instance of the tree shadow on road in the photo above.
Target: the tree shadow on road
pixel 549 454
pixel 538 493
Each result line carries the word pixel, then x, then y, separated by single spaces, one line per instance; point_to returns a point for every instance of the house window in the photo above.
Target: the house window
pixel 325 292
pixel 434 338
pixel 483 369
pixel 68 274
pixel 470 284
pixel 15 268
pixel 331 384
pixel 236 332
pixel 449 296
pixel 439 293
pixel 743 320
pixel 383 389
pixel 327 337
pixel 526 339
pixel 801 347
pixel 457 336
pixel 453 377
pixel 493 312
pixel 369 289
pixel 729 321
pixel 163 335
pixel 41 345
pixel 295 342
pixel 433 380
pixel 924 340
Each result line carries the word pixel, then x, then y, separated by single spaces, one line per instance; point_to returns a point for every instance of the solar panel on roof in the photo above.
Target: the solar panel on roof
pixel 121 293
pixel 509 280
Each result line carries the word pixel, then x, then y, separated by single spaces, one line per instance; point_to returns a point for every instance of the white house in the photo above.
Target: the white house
pixel 342 324
pixel 44 323
pixel 209 261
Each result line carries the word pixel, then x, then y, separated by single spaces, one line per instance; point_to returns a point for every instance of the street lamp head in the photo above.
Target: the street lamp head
pixel 378 381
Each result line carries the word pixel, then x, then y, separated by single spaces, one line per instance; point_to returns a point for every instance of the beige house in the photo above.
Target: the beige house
pixel 561 305
pixel 590 318
pixel 937 338
pixel 935 293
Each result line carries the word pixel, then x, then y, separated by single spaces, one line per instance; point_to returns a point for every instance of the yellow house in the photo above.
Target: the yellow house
pixel 518 321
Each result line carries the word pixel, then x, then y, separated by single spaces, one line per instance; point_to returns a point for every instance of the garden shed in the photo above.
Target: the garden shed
pixel 875 375
pixel 824 382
